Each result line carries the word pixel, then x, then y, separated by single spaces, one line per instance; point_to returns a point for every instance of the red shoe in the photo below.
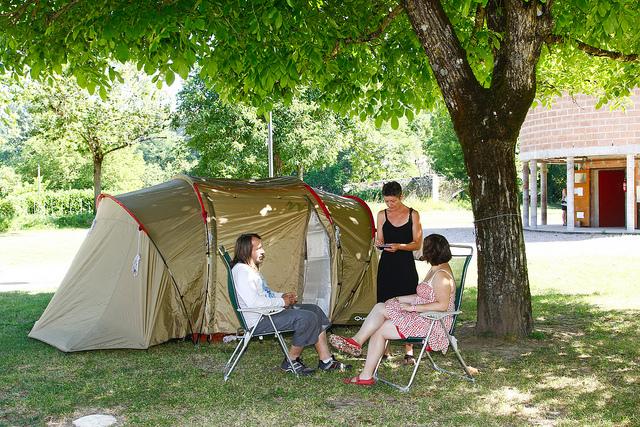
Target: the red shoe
pixel 346 345
pixel 357 381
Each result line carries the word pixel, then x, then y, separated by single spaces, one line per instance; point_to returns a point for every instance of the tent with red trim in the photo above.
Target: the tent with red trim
pixel 149 269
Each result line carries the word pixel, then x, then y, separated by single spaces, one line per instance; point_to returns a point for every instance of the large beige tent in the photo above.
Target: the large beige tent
pixel 148 270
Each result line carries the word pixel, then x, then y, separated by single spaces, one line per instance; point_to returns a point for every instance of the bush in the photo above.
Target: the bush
pixel 370 195
pixel 83 220
pixel 55 203
pixel 51 209
pixel 7 212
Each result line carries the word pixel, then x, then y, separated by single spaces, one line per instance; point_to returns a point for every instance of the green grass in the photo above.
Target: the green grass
pixel 48 222
pixel 580 367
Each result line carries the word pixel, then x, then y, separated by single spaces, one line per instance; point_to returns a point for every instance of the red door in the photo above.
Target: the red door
pixel 611 198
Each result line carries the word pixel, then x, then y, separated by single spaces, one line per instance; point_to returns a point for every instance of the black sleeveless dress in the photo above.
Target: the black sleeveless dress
pixel 397 274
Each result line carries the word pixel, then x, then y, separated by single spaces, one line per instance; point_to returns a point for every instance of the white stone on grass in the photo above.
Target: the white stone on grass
pixel 96 420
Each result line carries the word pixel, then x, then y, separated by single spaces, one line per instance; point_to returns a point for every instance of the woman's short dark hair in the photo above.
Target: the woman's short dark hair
pixel 435 249
pixel 392 188
pixel 244 247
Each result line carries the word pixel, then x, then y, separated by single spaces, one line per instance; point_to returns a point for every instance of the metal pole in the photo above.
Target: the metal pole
pixel 39 197
pixel 543 193
pixel 631 186
pixel 533 192
pixel 570 196
pixel 270 146
pixel 525 194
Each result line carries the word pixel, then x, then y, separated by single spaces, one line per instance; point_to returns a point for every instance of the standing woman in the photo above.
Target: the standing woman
pixel 400 231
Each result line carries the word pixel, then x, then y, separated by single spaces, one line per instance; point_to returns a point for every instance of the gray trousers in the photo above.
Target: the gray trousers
pixel 307 321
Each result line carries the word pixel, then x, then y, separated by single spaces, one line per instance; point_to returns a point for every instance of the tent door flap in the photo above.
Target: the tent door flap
pixel 317 266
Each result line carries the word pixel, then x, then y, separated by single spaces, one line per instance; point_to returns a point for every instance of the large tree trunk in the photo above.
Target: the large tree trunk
pixel 97 179
pixel 487 122
pixel 504 300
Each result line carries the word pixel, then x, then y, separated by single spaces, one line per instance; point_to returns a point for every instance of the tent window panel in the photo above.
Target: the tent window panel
pixel 317 266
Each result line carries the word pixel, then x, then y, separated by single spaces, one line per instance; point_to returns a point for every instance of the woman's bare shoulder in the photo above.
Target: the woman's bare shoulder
pixel 445 278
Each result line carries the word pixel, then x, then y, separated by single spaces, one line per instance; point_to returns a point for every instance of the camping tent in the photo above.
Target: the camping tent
pixel 148 270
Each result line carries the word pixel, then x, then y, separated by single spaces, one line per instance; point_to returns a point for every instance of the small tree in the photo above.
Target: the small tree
pixel 95 126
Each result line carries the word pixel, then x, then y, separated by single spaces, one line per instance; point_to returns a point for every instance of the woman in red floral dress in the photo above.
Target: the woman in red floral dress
pixel 399 317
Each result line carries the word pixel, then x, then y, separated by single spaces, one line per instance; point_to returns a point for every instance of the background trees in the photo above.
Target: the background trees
pixel 69 134
pixel 444 149
pixel 309 141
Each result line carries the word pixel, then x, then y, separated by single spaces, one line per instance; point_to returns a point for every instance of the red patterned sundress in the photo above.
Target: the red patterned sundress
pixel 411 324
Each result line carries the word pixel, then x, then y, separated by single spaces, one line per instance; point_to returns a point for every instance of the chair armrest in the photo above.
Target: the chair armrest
pixel 266 311
pixel 437 315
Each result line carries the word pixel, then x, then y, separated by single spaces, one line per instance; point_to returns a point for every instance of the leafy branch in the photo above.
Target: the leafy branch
pixel 18 12
pixel 372 35
pixel 62 11
pixel 592 50
pixel 137 140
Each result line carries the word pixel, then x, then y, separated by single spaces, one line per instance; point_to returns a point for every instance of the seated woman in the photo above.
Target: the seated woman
pixel 399 317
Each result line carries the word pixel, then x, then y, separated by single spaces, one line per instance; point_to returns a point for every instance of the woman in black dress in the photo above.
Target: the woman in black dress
pixel 399 234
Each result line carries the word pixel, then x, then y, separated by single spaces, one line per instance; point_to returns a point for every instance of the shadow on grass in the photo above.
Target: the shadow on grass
pixel 74 221
pixel 36 222
pixel 582 370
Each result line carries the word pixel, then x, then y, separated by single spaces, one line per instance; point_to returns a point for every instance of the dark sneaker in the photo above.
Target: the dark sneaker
pixel 296 366
pixel 333 365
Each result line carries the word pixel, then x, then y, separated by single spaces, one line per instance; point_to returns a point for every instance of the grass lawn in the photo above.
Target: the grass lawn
pixel 580 367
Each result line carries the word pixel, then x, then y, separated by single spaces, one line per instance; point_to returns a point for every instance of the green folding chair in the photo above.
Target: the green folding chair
pixel 459 263
pixel 248 332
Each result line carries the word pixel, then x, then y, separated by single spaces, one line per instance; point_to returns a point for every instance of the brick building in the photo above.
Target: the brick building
pixel 600 149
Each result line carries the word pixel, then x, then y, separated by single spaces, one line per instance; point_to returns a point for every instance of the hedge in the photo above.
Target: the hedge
pixel 54 203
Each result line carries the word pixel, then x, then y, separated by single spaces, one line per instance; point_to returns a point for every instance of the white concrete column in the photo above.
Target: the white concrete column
pixel 631 197
pixel 435 187
pixel 543 193
pixel 525 194
pixel 533 191
pixel 570 205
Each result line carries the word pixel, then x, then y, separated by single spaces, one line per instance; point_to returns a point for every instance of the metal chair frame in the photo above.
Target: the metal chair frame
pixel 249 333
pixel 439 316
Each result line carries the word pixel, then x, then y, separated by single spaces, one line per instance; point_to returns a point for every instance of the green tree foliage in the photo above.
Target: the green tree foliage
pixel 230 140
pixel 305 136
pixel 556 181
pixel 72 132
pixel 487 59
pixel 9 180
pixel 165 156
pixel 444 149
pixel 372 154
pixel 7 212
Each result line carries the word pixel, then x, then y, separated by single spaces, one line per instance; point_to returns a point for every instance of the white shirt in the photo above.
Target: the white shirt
pixel 253 292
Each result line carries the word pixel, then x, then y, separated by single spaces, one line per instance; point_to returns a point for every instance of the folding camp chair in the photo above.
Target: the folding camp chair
pixel 248 333
pixel 459 263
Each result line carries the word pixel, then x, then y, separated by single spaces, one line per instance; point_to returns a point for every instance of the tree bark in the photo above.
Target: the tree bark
pixel 487 122
pixel 97 179
pixel 504 299
pixel 277 163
